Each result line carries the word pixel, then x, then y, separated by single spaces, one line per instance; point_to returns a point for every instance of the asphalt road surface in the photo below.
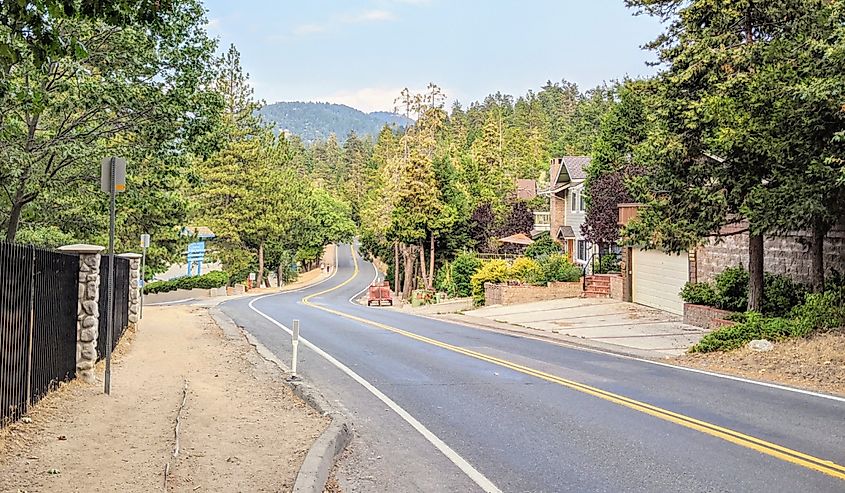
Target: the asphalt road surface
pixel 438 406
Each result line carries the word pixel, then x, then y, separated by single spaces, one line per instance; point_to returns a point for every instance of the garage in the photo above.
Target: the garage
pixel 657 279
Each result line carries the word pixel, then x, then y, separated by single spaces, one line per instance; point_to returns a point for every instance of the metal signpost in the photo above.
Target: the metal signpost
pixel 112 181
pixel 145 243
pixel 295 346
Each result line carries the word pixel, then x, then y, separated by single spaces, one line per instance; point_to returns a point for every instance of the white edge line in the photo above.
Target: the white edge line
pixel 359 293
pixel 169 302
pixel 453 456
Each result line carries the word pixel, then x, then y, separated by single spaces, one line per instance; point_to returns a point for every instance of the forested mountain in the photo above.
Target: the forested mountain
pixel 316 121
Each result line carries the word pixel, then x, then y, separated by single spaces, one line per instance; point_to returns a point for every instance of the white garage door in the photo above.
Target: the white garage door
pixel 658 278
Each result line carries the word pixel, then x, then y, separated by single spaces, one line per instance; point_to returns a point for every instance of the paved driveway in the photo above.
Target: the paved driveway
pixel 603 320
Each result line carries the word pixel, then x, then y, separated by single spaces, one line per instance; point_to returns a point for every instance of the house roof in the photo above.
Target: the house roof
pixel 526 189
pixel 566 232
pixel 568 168
pixel 517 239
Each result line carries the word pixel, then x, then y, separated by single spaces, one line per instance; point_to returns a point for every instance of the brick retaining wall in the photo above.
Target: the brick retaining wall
pixel 706 316
pixel 503 294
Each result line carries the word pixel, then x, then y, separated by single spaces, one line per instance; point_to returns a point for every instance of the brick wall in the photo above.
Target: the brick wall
pixel 503 294
pixel 705 316
pixel 616 287
pixel 558 214
pixel 787 254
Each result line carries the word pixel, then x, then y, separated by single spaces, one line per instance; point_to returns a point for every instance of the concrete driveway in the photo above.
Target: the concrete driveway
pixel 602 320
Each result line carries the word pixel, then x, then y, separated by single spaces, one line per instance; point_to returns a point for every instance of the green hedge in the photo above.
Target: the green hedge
pixel 206 281
pixel 729 291
pixel 818 313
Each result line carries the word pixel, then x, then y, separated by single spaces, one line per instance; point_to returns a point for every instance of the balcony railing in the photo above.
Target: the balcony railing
pixel 542 221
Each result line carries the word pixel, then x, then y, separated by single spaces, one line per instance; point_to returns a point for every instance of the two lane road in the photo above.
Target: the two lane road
pixel 445 407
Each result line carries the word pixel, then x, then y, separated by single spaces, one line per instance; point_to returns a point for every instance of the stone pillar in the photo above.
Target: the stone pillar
pixel 134 287
pixel 88 309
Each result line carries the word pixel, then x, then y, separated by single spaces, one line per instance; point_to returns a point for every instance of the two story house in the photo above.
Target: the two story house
pixel 567 206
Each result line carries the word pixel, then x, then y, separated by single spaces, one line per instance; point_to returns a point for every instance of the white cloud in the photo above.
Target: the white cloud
pixel 371 16
pixel 370 99
pixel 305 29
pixel 213 24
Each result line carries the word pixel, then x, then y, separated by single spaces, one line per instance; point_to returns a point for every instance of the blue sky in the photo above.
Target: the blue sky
pixel 363 52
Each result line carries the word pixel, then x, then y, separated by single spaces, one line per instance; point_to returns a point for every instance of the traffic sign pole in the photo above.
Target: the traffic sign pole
pixel 145 243
pixel 112 180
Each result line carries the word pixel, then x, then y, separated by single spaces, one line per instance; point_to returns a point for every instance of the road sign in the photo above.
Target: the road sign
pixel 119 166
pixel 145 240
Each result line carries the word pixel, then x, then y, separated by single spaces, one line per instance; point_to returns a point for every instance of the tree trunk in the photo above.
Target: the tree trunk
pixel 279 276
pixel 817 255
pixel 755 272
pixel 396 268
pixel 14 220
pixel 260 277
pixel 423 273
pixel 431 262
pixel 408 257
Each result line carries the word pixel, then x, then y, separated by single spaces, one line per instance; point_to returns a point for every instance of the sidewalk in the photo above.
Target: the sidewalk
pixel 604 324
pixel 241 428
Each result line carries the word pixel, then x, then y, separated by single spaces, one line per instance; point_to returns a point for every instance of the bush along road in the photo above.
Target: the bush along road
pixel 445 407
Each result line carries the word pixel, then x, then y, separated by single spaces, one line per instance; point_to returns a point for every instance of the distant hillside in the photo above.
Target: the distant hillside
pixel 314 121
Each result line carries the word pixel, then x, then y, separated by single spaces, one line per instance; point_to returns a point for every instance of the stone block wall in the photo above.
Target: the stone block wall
pixel 88 311
pixel 616 287
pixel 134 288
pixel 706 317
pixel 503 294
pixel 785 254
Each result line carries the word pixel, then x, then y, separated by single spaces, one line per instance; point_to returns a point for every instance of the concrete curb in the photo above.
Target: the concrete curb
pixel 320 459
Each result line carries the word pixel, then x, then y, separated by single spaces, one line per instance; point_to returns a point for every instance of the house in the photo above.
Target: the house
pixel 567 206
pixel 655 278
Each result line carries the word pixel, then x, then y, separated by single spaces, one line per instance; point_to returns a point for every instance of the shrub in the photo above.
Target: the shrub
pixel 819 312
pixel 494 271
pixel 463 267
pixel 755 326
pixel 556 267
pixel 732 289
pixel 523 269
pixel 700 293
pixel 543 247
pixel 781 294
pixel 206 281
pixel 608 263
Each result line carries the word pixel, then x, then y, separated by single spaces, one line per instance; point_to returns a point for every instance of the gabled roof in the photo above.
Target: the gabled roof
pixel 566 232
pixel 517 239
pixel 568 168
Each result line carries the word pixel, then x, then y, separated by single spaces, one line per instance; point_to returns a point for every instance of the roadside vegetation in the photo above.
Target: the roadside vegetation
pixel 181 116
pixel 206 281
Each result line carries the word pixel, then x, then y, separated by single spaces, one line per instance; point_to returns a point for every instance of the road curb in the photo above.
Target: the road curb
pixel 320 459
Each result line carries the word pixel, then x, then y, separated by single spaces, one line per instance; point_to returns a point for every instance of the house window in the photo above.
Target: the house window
pixel 574 196
pixel 581 205
pixel 583 248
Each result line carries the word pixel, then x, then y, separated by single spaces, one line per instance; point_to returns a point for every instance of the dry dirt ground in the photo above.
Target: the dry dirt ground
pixel 241 428
pixel 816 363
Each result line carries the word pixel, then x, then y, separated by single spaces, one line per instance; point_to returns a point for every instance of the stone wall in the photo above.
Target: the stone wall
pixel 88 312
pixel 504 294
pixel 705 316
pixel 557 216
pixel 786 254
pixel 134 288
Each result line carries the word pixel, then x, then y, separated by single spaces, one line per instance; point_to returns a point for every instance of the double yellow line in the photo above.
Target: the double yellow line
pixel 824 466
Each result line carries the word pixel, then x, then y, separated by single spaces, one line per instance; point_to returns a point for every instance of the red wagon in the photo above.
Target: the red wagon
pixel 379 292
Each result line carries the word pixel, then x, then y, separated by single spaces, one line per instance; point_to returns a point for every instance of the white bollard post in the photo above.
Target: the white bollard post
pixel 295 345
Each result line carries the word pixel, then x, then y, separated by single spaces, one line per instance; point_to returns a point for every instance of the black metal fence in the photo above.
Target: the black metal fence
pixel 38 304
pixel 121 302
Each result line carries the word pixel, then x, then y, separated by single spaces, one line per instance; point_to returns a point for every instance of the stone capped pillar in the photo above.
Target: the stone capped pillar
pixel 134 287
pixel 88 308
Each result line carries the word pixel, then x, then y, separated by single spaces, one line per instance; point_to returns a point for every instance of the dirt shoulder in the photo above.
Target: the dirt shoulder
pixel 816 363
pixel 241 428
